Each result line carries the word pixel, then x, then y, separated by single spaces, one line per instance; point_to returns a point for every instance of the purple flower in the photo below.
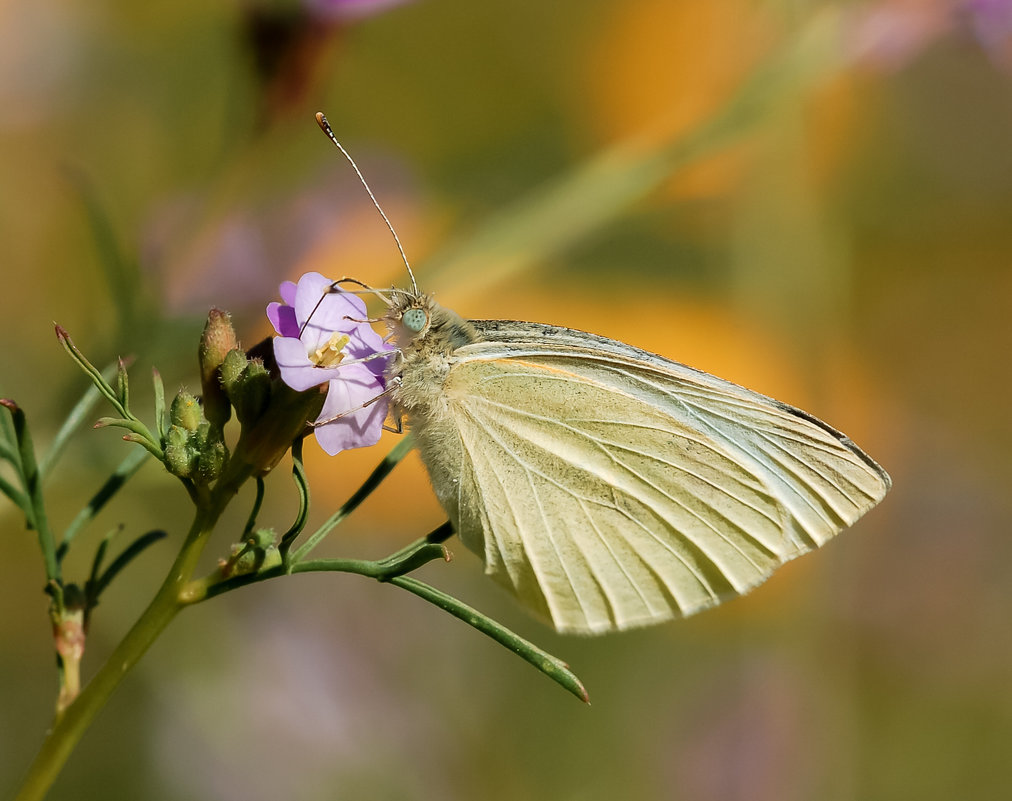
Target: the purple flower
pixel 888 34
pixel 318 344
pixel 991 21
pixel 349 9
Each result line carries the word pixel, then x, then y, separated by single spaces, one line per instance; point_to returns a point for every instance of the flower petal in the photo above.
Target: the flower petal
pixel 296 369
pixel 282 317
pixel 308 320
pixel 323 308
pixel 359 428
pixel 287 291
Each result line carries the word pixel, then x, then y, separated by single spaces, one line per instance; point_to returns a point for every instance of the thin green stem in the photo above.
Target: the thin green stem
pixel 392 569
pixel 302 485
pixel 16 495
pixel 82 409
pixel 375 478
pixel 130 465
pixel 71 725
pixel 553 667
pixel 251 521
pixel 32 479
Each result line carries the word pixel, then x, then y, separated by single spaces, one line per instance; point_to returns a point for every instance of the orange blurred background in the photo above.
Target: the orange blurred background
pixel 813 200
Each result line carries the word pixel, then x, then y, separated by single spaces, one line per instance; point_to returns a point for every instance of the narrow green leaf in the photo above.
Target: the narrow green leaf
pixel 81 412
pixel 99 559
pixel 36 509
pixel 160 419
pixel 147 443
pixel 7 430
pixel 441 533
pixel 553 667
pixel 392 459
pixel 122 385
pixel 122 274
pixel 9 454
pixel 139 433
pixel 133 550
pixel 410 558
pixel 16 495
pixel 126 469
pixel 391 570
pixel 8 442
pixel 92 372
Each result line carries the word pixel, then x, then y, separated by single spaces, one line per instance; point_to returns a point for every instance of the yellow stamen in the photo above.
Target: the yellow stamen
pixel 332 352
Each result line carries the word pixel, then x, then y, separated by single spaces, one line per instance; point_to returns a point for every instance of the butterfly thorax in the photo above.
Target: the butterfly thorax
pixel 426 336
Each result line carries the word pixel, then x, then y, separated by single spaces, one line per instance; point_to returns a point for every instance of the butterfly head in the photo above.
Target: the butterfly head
pixel 416 320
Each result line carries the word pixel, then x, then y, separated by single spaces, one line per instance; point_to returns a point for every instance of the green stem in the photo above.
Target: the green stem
pixel 398 452
pixel 71 725
pixel 392 570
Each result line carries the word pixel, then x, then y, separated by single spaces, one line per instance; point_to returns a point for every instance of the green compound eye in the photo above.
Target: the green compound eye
pixel 415 319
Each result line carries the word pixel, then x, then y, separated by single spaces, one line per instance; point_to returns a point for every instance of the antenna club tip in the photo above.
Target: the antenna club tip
pixel 321 120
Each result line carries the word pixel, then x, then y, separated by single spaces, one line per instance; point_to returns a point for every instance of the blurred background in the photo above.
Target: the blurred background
pixel 809 198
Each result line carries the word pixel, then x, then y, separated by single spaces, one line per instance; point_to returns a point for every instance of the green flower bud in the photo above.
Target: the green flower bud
pixel 211 453
pixel 262 538
pixel 253 392
pixel 179 459
pixel 185 411
pixel 217 341
pixel 231 371
pixel 194 447
pixel 257 552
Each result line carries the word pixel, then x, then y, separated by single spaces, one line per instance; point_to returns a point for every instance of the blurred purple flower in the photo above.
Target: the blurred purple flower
pixel 991 21
pixel 317 344
pixel 890 33
pixel 196 261
pixel 349 9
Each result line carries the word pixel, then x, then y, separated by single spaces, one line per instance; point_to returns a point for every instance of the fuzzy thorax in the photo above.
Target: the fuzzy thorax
pixel 426 339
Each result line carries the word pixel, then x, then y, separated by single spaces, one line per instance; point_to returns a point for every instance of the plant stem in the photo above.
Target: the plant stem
pixel 71 725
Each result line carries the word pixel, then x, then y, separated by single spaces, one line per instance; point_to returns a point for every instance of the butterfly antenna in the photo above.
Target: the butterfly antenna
pixel 321 120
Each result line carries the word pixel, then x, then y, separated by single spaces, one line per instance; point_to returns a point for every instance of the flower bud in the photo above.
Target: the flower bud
pixel 254 391
pixel 179 459
pixel 185 411
pixel 258 552
pixel 247 383
pixel 194 448
pixel 232 369
pixel 211 453
pixel 216 342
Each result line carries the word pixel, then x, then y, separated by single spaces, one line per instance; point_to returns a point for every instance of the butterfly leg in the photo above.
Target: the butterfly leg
pixel 380 354
pixel 346 412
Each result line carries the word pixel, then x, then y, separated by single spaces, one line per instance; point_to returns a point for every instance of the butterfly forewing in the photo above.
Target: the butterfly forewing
pixel 611 488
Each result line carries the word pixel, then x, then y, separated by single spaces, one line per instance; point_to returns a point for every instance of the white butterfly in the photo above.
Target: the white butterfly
pixel 606 486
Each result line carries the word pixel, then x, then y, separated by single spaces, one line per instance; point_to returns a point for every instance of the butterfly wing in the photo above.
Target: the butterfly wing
pixel 610 488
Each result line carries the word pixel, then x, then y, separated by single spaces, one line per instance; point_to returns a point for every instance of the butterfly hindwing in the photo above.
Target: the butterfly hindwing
pixel 611 488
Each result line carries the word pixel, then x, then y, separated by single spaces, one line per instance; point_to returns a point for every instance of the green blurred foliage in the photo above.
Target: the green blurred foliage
pixel 840 240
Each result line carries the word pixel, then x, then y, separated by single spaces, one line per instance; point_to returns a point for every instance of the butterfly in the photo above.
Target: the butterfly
pixel 608 487
pixel 605 486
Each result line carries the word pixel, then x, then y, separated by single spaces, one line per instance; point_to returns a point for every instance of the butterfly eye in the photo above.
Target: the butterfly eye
pixel 415 319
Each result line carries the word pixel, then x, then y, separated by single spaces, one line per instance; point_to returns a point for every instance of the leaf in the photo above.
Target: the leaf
pixel 127 468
